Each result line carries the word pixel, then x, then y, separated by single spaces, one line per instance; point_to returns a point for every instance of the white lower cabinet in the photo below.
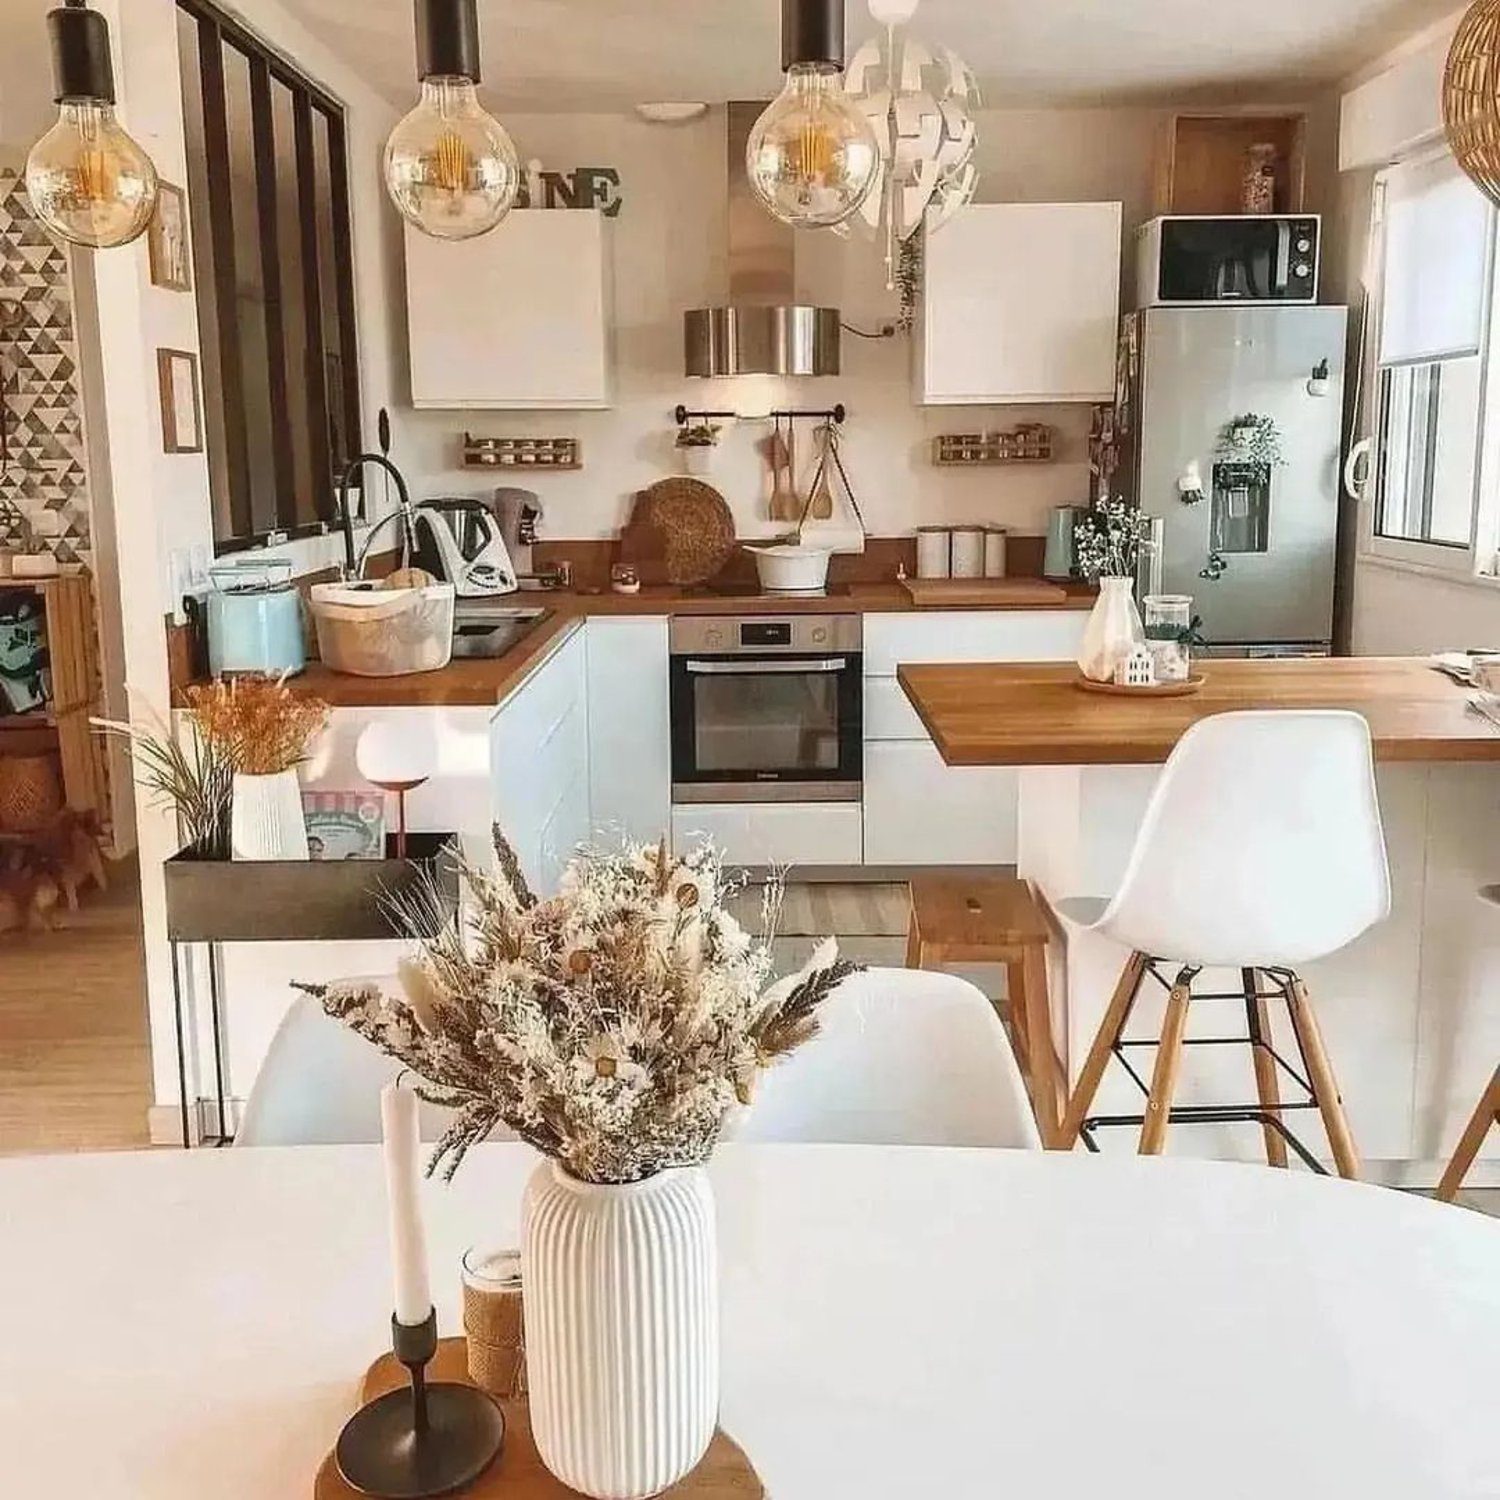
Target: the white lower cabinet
pixel 539 765
pixel 919 811
pixel 630 733
pixel 773 833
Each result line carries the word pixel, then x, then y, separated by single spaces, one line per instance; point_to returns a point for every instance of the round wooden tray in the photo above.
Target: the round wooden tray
pixel 1157 690
pixel 518 1474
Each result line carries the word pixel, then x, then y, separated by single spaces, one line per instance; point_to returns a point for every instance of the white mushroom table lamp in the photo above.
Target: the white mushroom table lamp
pixel 397 756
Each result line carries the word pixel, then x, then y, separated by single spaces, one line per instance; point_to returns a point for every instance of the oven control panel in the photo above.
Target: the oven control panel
pixel 761 635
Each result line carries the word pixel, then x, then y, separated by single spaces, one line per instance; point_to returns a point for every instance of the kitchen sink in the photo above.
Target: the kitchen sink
pixel 492 630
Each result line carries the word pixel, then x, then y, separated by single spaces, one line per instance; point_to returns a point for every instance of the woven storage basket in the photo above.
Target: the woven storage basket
pixel 383 632
pixel 30 792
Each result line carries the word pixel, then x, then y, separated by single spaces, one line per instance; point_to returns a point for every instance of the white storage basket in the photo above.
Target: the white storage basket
pixel 375 632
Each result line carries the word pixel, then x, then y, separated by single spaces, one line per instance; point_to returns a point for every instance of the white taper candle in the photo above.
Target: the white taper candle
pixel 398 1122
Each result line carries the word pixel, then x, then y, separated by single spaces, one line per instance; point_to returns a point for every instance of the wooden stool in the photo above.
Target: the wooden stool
pixel 1485 1116
pixel 974 920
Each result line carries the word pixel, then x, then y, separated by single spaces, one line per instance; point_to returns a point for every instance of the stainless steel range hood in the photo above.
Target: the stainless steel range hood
pixel 761 330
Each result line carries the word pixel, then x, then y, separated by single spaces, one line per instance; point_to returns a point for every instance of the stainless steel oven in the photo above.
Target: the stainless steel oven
pixel 767 708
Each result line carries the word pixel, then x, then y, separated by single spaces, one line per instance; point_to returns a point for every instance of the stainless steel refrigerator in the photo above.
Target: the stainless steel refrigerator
pixel 1249 514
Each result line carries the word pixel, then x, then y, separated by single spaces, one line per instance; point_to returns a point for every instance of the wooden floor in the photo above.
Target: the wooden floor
pixel 75 1071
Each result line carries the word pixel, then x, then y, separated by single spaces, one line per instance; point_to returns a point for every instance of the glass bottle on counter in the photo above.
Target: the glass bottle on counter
pixel 1168 625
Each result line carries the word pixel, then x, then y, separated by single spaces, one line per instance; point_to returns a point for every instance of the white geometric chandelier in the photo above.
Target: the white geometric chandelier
pixel 921 101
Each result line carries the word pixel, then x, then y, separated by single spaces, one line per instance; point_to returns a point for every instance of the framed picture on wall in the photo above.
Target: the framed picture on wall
pixel 167 241
pixel 181 408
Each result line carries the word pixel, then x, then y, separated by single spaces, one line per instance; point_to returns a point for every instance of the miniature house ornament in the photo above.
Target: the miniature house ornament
pixel 1137 669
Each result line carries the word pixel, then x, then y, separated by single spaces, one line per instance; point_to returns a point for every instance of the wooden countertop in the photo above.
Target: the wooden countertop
pixel 1022 714
pixel 478 683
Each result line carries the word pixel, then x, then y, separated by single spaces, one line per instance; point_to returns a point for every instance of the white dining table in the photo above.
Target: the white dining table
pixel 896 1322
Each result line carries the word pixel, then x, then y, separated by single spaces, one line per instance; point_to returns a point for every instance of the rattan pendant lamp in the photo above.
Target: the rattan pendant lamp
pixel 1471 96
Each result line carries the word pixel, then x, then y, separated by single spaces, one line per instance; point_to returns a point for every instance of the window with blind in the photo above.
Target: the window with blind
pixel 1436 241
pixel 269 195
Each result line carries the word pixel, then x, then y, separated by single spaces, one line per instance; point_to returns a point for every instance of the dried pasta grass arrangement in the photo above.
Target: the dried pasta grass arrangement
pixel 257 722
pixel 613 1026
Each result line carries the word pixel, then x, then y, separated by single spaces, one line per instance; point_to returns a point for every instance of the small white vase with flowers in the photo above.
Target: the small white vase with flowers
pixel 1106 544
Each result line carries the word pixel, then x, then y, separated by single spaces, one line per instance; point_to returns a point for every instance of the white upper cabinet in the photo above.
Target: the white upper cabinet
pixel 1020 304
pixel 516 318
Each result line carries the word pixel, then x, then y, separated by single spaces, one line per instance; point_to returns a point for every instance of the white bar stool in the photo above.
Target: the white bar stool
pixel 1261 850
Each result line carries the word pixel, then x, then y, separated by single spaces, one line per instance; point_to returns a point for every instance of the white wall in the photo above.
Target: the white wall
pixel 669 255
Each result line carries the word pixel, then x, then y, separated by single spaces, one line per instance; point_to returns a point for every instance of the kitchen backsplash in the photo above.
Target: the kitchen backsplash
pixel 44 496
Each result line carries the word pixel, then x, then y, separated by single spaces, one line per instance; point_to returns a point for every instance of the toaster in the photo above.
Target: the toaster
pixel 254 619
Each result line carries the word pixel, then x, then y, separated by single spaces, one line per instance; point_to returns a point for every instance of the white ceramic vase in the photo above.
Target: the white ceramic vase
pixel 265 817
pixel 622 1328
pixel 1113 631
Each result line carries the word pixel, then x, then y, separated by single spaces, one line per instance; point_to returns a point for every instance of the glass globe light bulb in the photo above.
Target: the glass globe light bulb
pixel 812 156
pixel 450 167
pixel 87 179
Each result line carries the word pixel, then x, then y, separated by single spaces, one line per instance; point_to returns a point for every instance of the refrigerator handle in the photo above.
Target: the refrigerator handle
pixel 1357 468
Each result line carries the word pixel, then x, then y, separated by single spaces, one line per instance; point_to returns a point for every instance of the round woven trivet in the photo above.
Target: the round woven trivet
pixel 687 524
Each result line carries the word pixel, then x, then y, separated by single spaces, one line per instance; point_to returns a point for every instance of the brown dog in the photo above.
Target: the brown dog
pixel 28 898
pixel 68 852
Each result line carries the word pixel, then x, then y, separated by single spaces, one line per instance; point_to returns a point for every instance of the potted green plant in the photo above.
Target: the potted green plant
pixel 697 443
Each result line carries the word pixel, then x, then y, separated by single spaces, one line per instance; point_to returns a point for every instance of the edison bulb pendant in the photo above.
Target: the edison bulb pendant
pixel 450 167
pixel 87 179
pixel 812 157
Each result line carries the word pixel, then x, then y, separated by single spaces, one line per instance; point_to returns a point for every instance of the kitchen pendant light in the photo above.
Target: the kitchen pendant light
pixel 812 157
pixel 1471 96
pixel 88 181
pixel 450 168
pixel 921 101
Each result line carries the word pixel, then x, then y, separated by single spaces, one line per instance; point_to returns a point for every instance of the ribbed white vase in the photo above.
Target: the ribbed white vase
pixel 622 1328
pixel 265 817
pixel 1113 630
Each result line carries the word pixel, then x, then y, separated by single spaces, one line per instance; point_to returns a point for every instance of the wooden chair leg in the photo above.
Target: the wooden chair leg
pixel 1116 1018
pixel 1015 998
pixel 1320 1073
pixel 1044 1074
pixel 1265 1065
pixel 1164 1075
pixel 1485 1117
pixel 913 945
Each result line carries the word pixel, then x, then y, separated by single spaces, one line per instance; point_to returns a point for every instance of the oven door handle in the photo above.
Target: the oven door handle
pixel 756 668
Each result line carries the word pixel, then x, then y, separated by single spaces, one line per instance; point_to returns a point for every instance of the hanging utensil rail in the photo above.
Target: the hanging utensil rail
pixel 837 414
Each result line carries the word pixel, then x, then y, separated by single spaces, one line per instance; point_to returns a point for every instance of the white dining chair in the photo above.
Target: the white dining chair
pixel 902 1057
pixel 1261 850
pixel 320 1085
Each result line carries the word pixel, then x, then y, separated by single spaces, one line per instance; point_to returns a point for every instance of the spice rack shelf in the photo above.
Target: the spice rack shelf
pixel 1029 444
pixel 522 453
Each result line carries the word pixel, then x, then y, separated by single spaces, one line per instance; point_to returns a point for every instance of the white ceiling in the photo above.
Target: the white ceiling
pixel 609 54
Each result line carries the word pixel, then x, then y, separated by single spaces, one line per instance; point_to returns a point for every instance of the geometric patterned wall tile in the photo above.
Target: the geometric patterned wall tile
pixel 42 411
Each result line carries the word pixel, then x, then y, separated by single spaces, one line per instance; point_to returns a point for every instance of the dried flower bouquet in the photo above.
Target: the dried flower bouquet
pixel 258 722
pixel 613 1026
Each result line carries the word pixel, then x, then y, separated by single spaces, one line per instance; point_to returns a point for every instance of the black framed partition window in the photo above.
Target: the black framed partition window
pixel 268 186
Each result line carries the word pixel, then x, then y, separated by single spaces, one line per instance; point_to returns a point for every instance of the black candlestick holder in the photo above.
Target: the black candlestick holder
pixel 425 1441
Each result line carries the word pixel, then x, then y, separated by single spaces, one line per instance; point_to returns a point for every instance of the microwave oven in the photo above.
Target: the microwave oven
pixel 1196 260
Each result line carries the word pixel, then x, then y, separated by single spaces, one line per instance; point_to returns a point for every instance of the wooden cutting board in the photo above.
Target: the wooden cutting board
pixel 518 1474
pixel 982 593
